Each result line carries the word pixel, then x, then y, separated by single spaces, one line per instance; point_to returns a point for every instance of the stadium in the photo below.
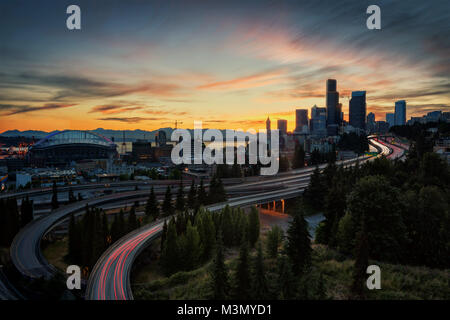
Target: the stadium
pixel 64 147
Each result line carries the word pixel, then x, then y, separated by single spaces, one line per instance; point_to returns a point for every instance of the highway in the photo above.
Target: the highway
pixel 110 277
pixel 26 252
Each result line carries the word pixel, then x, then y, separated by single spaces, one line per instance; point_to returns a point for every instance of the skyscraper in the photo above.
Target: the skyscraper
pixel 400 113
pixel 370 123
pixel 282 126
pixel 268 133
pixel 318 123
pixel 357 115
pixel 332 103
pixel 390 119
pixel 301 120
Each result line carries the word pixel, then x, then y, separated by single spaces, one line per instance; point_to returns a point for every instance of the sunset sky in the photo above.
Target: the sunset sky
pixel 144 64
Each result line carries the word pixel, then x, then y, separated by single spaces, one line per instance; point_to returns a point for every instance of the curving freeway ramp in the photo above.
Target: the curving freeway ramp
pixel 110 277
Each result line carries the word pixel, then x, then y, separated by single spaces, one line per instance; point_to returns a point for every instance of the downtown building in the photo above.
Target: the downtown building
pixel 334 108
pixel 390 119
pixel 400 113
pixel 282 126
pixel 318 122
pixel 357 110
pixel 301 121
pixel 371 123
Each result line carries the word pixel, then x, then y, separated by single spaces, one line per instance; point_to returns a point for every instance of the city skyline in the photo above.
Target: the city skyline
pixel 147 66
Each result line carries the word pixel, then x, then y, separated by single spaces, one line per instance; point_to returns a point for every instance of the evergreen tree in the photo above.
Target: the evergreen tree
pixel 132 220
pixel 121 224
pixel 253 226
pixel 259 284
pixel 375 200
pixel 285 279
pixel 105 231
pixel 315 192
pixel 163 235
pixel 219 273
pixel 167 208
pixel 298 245
pixel 192 196
pixel 273 241
pixel 227 226
pixel 299 157
pixel 361 264
pixel 201 196
pixel 207 232
pixel 151 207
pixel 335 206
pixel 179 204
pixel 54 196
pixel 192 247
pixel 170 252
pixel 115 229
pixel 71 196
pixel 242 274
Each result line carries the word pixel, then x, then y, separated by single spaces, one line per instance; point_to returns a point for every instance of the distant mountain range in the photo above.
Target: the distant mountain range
pixel 130 135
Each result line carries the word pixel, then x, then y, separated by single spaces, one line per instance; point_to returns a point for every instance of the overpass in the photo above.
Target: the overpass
pixel 26 252
pixel 110 277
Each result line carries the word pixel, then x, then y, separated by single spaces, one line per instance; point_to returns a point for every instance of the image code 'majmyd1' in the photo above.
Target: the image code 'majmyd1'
pixel 224 150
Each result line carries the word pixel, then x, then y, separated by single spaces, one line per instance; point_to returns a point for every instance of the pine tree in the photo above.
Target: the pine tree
pixel 55 196
pixel 253 226
pixel 179 204
pixel 285 278
pixel 71 196
pixel 298 245
pixel 167 208
pixel 192 196
pixel 207 232
pixel 314 193
pixel 227 226
pixel 242 274
pixel 163 235
pixel 259 284
pixel 201 196
pixel 169 255
pixel 105 231
pixel 132 220
pixel 121 224
pixel 115 229
pixel 151 207
pixel 192 247
pixel 219 273
pixel 299 157
pixel 273 241
pixel 361 264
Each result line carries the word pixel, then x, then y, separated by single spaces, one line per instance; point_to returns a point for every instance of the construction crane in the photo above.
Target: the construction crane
pixel 176 123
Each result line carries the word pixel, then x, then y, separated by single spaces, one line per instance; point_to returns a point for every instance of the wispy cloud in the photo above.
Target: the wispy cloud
pixel 250 81
pixel 130 119
pixel 17 109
